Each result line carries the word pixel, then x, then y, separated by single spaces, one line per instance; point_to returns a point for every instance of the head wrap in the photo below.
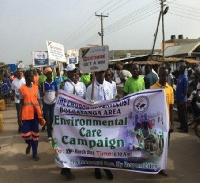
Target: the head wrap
pixel 48 69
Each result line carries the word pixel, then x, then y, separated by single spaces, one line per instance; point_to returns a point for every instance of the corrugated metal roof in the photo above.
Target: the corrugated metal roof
pixel 122 53
pixel 181 49
pixel 188 60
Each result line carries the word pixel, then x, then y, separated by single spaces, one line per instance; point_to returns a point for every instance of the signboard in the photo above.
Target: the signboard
pixel 126 134
pixel 21 65
pixel 56 51
pixel 12 67
pixel 40 58
pixel 53 63
pixel 93 59
pixel 72 56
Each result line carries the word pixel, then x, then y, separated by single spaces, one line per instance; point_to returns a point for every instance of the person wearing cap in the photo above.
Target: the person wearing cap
pixel 41 80
pixel 75 87
pixel 43 77
pixel 49 91
pixel 72 84
pixel 102 91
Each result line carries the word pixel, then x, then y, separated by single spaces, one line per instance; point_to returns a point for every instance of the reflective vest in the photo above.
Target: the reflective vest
pixel 30 102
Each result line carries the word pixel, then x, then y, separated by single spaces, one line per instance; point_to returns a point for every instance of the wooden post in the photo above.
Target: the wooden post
pixel 92 92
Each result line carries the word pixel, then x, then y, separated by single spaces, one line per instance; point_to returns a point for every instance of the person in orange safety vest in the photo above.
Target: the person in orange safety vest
pixel 30 114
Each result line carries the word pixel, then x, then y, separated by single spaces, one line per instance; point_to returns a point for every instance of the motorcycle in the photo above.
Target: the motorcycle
pixel 194 111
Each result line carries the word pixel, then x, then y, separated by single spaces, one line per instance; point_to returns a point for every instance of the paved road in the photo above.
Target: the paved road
pixel 16 167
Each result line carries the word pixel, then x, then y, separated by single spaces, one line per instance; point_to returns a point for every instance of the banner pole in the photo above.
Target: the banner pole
pixel 92 93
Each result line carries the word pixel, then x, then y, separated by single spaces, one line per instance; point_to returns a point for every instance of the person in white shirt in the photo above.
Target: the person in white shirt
pixel 17 82
pixel 102 91
pixel 73 86
pixel 109 78
pixel 72 83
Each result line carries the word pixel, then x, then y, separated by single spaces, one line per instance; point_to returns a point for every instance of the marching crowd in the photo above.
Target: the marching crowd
pixel 35 98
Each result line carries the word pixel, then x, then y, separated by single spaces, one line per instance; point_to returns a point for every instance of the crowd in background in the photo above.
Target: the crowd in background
pixel 50 80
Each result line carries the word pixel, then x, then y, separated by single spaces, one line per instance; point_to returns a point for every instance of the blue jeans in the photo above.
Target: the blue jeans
pixel 48 110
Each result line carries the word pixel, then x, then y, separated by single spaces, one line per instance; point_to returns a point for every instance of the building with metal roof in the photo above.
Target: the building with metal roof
pixel 191 50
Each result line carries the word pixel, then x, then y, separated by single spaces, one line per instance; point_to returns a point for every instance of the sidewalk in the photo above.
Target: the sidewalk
pixel 17 167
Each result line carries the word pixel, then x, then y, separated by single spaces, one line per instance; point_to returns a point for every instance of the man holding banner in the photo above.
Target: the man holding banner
pixel 102 91
pixel 73 86
pixel 162 83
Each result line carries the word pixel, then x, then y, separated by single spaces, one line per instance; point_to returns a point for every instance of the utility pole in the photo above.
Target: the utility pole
pixel 161 14
pixel 155 35
pixel 163 30
pixel 102 32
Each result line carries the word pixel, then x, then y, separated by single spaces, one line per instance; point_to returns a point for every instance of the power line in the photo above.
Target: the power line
pixel 184 16
pixel 186 13
pixel 83 32
pixel 105 5
pixel 187 6
pixel 78 31
pixel 119 6
pixel 185 10
pixel 95 37
pixel 130 16
pixel 132 22
pixel 125 21
pixel 112 6
pixel 140 12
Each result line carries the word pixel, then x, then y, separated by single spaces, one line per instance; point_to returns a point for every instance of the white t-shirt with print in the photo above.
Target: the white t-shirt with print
pixel 101 91
pixel 78 89
pixel 15 86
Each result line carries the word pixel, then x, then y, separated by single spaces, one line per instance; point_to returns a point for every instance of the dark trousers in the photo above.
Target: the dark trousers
pixel 48 110
pixel 182 114
pixel 30 133
pixel 17 105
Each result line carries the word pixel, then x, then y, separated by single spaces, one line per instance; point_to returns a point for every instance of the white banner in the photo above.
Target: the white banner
pixel 129 134
pixel 56 51
pixel 93 59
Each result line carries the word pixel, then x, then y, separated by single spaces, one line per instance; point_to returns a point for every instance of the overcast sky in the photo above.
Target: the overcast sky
pixel 25 25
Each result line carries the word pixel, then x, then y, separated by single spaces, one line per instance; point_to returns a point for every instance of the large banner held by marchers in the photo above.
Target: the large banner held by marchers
pixel 128 134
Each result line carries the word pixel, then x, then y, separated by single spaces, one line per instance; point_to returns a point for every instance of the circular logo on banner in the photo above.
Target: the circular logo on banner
pixel 141 104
